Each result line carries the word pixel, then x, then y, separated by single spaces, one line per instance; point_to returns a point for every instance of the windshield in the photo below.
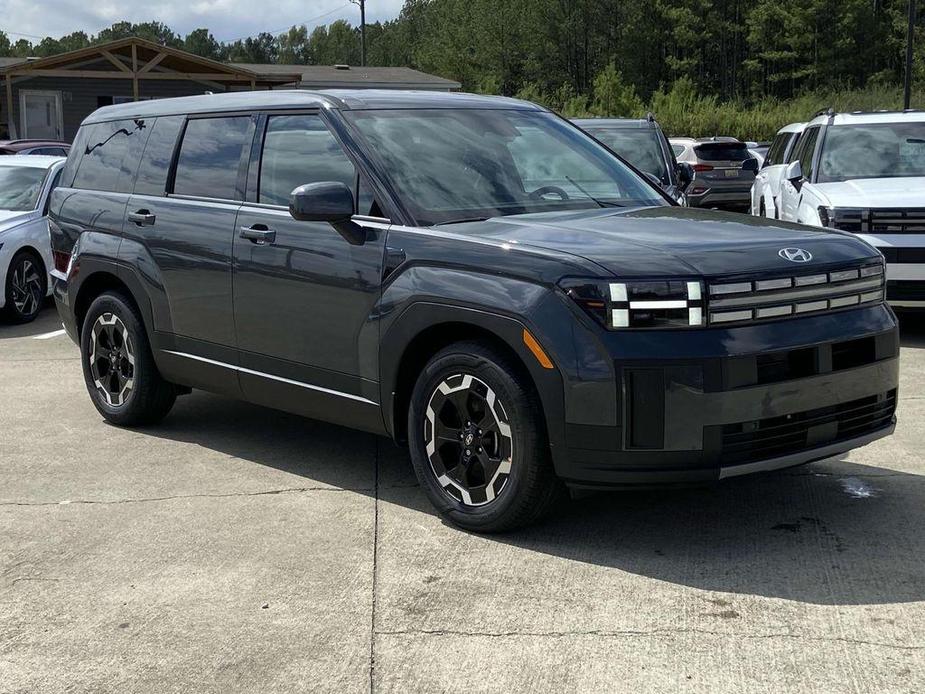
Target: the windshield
pixel 467 164
pixel 20 187
pixel 875 150
pixel 640 148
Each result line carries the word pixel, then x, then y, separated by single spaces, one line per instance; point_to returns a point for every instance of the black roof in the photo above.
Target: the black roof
pixel 344 99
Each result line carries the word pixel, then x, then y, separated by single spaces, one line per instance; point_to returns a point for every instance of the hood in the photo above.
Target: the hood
pixel 678 241
pixel 9 218
pixel 875 192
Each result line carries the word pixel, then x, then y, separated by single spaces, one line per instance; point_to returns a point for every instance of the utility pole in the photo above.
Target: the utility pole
pixel 910 35
pixel 362 4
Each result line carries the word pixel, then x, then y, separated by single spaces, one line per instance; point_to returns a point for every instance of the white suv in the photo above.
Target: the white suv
pixel 865 173
pixel 766 189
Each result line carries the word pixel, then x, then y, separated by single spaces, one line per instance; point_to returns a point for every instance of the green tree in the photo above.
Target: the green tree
pixel 614 97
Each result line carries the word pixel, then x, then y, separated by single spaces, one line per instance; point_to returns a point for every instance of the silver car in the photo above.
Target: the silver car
pixel 724 171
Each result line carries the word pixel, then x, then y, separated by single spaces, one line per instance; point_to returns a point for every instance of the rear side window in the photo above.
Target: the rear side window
pixel 210 157
pixel 111 155
pixel 155 162
pixel 722 151
pixel 299 150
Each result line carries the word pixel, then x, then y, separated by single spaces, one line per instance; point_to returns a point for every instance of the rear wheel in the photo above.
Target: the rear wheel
pixel 26 287
pixel 478 444
pixel 119 370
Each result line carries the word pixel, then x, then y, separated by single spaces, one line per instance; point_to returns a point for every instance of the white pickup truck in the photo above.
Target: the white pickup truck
pixel 865 173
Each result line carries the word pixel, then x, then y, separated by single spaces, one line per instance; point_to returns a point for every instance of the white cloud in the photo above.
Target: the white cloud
pixel 227 19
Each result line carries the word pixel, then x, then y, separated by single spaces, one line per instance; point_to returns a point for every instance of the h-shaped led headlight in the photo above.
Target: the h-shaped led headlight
pixel 656 303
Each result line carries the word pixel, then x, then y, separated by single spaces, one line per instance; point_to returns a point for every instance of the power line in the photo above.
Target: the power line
pixel 276 31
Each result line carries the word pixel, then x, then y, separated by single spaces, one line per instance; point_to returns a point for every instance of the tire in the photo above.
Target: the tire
pixel 119 370
pixel 471 398
pixel 26 287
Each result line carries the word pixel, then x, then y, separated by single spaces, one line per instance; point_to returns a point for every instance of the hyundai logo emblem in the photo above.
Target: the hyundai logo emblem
pixel 795 255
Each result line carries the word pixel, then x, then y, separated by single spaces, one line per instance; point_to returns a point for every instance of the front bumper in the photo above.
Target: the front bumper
pixel 721 403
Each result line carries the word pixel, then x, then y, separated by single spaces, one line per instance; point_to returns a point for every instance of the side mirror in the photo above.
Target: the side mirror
pixel 653 179
pixel 330 201
pixel 750 165
pixel 794 172
pixel 685 174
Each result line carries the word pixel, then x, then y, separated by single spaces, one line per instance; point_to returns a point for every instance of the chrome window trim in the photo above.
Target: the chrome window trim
pixel 252 372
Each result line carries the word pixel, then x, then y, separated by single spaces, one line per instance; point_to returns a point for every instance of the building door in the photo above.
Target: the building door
pixel 41 115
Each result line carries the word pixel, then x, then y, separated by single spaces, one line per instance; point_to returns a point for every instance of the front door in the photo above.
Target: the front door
pixel 303 295
pixel 41 115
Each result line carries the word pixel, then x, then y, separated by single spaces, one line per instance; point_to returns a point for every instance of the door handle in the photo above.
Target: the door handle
pixel 142 218
pixel 258 234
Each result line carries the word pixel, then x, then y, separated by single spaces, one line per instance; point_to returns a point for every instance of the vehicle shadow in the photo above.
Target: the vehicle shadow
pixel 45 322
pixel 830 533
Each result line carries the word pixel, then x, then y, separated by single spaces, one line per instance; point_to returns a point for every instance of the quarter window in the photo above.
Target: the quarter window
pixel 210 157
pixel 110 155
pixel 299 150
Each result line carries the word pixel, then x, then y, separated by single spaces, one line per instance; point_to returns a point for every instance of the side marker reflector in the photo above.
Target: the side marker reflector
pixel 537 351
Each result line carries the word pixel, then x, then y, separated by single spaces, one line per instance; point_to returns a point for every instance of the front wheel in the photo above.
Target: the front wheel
pixel 119 369
pixel 478 442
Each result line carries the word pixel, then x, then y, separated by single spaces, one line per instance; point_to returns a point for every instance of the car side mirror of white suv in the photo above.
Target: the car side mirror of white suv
pixel 794 172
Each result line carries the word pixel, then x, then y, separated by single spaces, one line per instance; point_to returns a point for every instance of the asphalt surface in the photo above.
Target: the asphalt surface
pixel 237 549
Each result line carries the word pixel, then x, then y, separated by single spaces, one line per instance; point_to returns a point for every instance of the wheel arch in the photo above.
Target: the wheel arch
pixel 425 329
pixel 96 283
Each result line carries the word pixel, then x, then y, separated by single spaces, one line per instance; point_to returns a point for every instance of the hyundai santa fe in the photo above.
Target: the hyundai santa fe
pixel 473 276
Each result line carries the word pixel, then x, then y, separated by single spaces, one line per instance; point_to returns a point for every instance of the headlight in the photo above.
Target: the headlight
pixel 844 218
pixel 655 303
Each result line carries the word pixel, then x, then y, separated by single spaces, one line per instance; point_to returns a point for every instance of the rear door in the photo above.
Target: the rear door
pixel 303 295
pixel 179 229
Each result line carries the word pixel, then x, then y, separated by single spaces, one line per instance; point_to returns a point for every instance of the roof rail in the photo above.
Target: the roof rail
pixel 828 111
pixel 888 110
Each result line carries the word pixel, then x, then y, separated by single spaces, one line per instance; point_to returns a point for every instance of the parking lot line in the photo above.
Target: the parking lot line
pixel 48 336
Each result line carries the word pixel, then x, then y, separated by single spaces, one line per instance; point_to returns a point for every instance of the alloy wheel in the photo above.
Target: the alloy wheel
pixel 112 359
pixel 468 440
pixel 26 285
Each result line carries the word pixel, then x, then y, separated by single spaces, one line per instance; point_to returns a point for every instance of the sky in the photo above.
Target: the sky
pixel 227 19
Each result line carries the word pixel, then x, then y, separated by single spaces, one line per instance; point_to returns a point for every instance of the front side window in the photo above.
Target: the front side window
pixel 639 147
pixel 793 147
pixel 210 157
pixel 452 165
pixel 872 150
pixel 776 151
pixel 298 150
pixel 20 187
pixel 807 149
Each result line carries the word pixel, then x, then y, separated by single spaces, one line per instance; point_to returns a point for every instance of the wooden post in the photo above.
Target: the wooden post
pixel 10 123
pixel 134 72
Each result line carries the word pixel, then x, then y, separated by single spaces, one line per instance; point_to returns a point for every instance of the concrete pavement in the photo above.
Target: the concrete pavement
pixel 232 548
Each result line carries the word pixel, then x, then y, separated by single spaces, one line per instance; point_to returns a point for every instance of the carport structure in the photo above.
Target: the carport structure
pixel 49 97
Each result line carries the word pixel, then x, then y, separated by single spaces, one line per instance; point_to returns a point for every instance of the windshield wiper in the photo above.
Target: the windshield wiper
pixel 462 221
pixel 600 203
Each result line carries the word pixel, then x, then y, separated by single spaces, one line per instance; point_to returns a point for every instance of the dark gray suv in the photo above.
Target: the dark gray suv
pixel 473 276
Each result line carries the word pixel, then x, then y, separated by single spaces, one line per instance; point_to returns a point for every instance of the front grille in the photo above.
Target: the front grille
pixel 794 294
pixel 746 442
pixel 896 255
pixel 881 220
